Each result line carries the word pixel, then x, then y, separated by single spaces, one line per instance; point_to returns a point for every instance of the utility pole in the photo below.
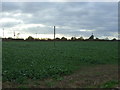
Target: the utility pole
pixel 36 35
pixel 54 36
pixel 14 34
pixel 18 35
pixel 3 32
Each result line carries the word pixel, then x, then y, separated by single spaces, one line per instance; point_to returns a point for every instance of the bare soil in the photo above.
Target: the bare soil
pixel 86 77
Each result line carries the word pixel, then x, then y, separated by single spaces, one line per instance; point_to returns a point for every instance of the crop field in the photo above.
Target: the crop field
pixel 39 62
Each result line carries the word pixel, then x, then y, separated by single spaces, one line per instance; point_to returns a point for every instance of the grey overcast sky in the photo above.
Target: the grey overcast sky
pixel 70 18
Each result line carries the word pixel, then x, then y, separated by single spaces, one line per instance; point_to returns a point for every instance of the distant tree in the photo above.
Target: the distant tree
pixel 97 39
pixel 81 38
pixel 30 38
pixel 91 37
pixel 43 39
pixel 10 38
pixel 49 39
pixel 114 39
pixel 106 38
pixel 57 38
pixel 73 38
pixel 18 35
pixel 37 39
pixel 63 38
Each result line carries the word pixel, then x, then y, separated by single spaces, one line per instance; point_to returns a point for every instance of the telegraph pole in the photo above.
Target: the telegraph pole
pixel 3 32
pixel 54 36
pixel 36 35
pixel 54 32
pixel 14 34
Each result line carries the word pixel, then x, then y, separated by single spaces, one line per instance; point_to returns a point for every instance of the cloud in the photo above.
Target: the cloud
pixel 6 20
pixel 84 30
pixel 10 22
pixel 70 18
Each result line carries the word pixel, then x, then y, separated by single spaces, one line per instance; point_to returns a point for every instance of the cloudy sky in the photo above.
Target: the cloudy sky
pixel 70 18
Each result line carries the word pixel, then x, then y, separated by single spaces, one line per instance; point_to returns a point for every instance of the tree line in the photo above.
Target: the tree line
pixel 30 38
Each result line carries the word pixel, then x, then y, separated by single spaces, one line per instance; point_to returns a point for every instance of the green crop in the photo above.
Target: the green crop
pixel 39 60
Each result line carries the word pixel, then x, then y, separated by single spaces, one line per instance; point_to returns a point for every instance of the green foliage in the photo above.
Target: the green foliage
pixel 109 84
pixel 39 60
pixel 50 84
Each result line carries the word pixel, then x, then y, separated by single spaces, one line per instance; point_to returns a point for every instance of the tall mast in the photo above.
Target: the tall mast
pixel 54 36
pixel 14 34
pixel 3 32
